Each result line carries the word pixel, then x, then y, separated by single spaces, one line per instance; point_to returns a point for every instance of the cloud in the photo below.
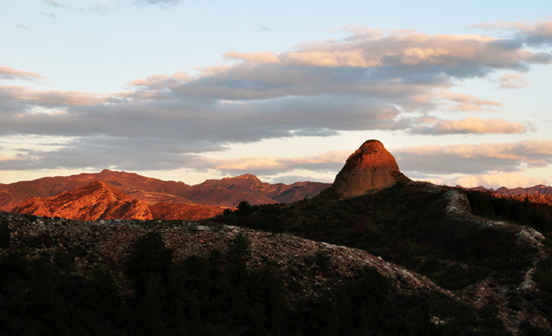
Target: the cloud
pixel 536 35
pixel 475 159
pixel 366 81
pixel 471 126
pixel 27 98
pixel 162 81
pixel 495 180
pixel 329 161
pixel 10 73
pixel 512 81
pixel 465 102
pixel 258 57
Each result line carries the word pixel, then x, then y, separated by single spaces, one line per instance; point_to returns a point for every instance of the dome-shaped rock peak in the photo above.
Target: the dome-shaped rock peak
pixel 371 167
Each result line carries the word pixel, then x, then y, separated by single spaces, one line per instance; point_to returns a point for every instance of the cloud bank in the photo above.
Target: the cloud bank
pixel 367 81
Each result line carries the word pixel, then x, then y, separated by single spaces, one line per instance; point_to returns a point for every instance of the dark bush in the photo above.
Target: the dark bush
pixel 323 260
pixel 150 260
pixel 543 275
pixel 4 235
pixel 244 209
pixel 238 250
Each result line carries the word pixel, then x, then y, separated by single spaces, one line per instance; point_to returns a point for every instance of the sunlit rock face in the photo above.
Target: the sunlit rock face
pixel 371 167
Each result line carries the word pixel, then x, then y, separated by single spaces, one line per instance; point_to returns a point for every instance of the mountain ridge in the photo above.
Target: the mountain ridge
pixel 164 199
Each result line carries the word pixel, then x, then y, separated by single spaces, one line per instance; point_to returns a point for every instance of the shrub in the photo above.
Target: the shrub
pixel 244 209
pixel 150 259
pixel 4 235
pixel 543 275
pixel 323 260
pixel 239 251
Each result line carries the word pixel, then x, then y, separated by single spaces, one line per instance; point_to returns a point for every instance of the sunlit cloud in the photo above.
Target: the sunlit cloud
pixel 494 180
pixel 398 81
pixel 471 126
pixel 512 81
pixel 475 159
pixel 11 73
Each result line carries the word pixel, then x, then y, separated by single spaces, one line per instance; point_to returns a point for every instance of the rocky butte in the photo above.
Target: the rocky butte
pixel 369 168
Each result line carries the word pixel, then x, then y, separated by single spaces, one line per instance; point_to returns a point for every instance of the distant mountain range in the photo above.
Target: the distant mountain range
pixel 537 194
pixel 111 194
pixel 114 194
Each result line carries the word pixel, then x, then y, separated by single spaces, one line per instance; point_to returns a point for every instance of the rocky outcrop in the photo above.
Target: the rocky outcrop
pixel 371 167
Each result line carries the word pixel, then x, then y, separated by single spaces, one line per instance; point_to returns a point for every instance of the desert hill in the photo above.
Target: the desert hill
pixel 159 276
pixel 539 194
pixel 99 200
pixel 226 192
pixel 143 188
pixel 94 201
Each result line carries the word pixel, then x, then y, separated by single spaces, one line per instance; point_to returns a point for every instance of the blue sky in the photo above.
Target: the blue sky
pixel 182 79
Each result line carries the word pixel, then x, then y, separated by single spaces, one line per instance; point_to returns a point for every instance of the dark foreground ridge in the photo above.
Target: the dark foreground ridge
pixel 166 278
pixel 493 264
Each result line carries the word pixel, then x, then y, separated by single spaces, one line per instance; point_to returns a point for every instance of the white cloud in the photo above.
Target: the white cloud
pixel 494 180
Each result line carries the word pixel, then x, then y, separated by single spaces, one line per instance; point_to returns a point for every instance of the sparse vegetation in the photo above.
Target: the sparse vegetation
pixel 201 295
pixel 523 212
pixel 390 224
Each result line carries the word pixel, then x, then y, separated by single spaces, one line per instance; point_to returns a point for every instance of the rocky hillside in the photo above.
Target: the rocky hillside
pixel 428 229
pixel 99 200
pixel 539 194
pixel 224 192
pixel 158 276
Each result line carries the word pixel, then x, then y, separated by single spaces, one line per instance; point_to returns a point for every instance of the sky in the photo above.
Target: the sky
pixel 192 90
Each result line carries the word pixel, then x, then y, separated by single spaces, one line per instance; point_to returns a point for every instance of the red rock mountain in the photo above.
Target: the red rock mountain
pixel 139 187
pixel 371 167
pixel 164 199
pixel 191 212
pixel 94 201
pixel 230 191
pixel 540 194
pixel 99 200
